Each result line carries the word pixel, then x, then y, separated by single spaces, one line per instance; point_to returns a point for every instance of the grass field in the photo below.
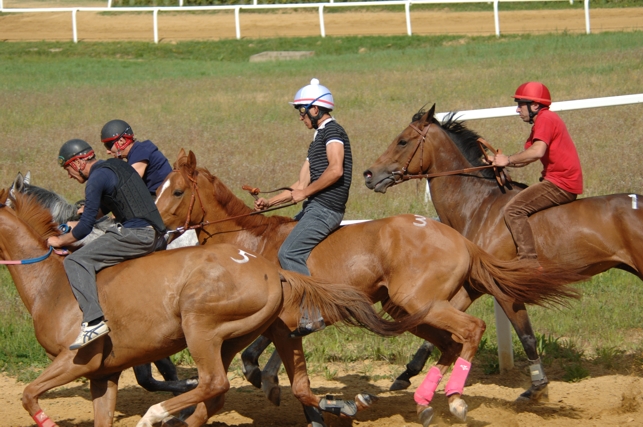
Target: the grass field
pixel 235 116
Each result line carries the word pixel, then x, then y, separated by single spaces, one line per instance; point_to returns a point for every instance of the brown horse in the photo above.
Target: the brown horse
pixel 381 258
pixel 590 235
pixel 213 300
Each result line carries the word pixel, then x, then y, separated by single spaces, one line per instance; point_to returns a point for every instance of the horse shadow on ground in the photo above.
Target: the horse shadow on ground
pixel 253 409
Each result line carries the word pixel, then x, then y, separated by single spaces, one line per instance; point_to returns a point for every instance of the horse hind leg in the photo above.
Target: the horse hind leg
pixel 250 360
pixel 414 367
pixel 517 315
pixel 270 379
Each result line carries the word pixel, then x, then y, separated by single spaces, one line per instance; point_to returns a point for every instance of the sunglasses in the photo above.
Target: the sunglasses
pixel 303 109
pixel 110 144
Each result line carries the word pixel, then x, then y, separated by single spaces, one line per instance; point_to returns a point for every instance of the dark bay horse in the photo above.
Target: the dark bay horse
pixel 591 234
pixel 62 212
pixel 214 300
pixel 381 258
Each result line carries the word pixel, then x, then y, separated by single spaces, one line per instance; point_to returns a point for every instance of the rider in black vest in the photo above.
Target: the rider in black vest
pixel 111 186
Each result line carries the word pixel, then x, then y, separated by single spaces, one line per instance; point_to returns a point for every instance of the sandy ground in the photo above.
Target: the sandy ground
pixel 94 26
pixel 607 400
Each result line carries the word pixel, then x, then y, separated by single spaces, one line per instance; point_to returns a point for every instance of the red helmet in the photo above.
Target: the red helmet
pixel 533 91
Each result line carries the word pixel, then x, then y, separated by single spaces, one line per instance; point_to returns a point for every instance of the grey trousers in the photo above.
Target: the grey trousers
pixel 116 245
pixel 315 222
pixel 526 203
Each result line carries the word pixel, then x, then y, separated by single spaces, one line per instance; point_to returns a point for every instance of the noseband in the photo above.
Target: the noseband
pixel 400 176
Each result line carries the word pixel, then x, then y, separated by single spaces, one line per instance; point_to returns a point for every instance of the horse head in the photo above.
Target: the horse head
pixel 406 154
pixel 176 198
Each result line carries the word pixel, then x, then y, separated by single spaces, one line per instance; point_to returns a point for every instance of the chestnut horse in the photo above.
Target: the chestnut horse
pixel 590 235
pixel 63 212
pixel 213 300
pixel 381 258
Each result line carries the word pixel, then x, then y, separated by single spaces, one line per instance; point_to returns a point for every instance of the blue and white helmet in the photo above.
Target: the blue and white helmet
pixel 314 94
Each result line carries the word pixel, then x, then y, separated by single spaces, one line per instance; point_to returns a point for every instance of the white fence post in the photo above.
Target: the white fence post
pixel 587 29
pixel 156 25
pixel 407 10
pixel 74 29
pixel 505 346
pixel 322 27
pixel 236 22
pixel 496 17
pixel 109 3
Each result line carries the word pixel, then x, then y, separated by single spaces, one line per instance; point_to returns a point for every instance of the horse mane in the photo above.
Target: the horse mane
pixel 29 210
pixel 465 139
pixel 61 210
pixel 234 206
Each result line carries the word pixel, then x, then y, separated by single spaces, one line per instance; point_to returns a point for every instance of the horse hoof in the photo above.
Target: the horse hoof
pixel 272 392
pixel 365 400
pixel 426 416
pixel 534 394
pixel 400 385
pixel 459 408
pixel 173 422
pixel 253 375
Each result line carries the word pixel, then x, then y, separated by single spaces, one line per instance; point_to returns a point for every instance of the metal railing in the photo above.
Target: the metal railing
pixel 237 9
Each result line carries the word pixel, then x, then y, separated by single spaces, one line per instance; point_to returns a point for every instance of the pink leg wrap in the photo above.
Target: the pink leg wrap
pixel 43 420
pixel 425 391
pixel 458 377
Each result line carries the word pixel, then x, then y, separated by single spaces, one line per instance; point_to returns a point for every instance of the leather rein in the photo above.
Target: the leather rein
pixel 400 176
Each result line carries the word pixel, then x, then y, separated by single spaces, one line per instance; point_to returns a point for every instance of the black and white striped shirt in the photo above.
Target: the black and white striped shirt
pixel 335 196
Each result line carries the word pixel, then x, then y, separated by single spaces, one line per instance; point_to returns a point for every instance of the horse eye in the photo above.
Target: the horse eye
pixel 402 142
pixel 177 193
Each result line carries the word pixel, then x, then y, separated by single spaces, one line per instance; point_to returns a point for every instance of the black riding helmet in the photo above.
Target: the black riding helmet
pixel 74 149
pixel 113 131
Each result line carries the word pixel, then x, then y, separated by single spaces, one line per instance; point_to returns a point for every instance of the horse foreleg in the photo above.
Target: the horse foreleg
pixel 66 367
pixel 292 354
pixel 145 379
pixel 250 360
pixel 270 379
pixel 414 367
pixel 517 314
pixel 104 393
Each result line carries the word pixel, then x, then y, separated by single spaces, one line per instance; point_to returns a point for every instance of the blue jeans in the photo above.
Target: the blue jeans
pixel 315 222
pixel 116 245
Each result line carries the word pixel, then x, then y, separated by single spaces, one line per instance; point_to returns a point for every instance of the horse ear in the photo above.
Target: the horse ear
pixel 430 114
pixel 177 164
pixel 18 184
pixel 28 178
pixel 191 164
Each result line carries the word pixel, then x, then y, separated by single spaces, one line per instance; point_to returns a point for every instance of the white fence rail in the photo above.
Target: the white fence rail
pixel 503 326
pixel 237 9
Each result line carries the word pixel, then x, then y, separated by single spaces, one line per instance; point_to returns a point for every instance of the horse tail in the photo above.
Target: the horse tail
pixel 521 281
pixel 340 303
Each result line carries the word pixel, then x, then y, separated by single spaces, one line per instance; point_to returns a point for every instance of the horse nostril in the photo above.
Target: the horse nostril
pixel 368 175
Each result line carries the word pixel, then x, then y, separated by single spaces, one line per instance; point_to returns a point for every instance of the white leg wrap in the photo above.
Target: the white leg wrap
pixel 153 415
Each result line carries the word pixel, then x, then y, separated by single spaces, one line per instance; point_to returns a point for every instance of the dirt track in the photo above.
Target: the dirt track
pixel 93 26
pixel 605 401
